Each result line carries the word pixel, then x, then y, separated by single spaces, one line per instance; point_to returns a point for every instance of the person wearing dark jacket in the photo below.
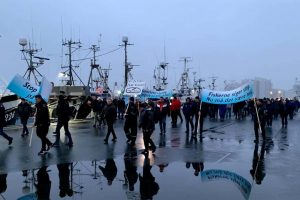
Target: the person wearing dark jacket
pixel 109 171
pixel 260 120
pixel 3 123
pixel 63 114
pixel 24 111
pixel 283 111
pixel 188 113
pixel 131 117
pixel 121 108
pixel 110 114
pixel 162 111
pixel 42 123
pixel 270 112
pixel 147 123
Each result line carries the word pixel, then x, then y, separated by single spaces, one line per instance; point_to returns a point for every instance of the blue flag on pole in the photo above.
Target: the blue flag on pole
pixel 28 90
pixel 242 93
pixel 23 88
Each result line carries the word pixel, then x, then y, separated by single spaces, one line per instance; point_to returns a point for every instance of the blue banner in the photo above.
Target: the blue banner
pixel 242 93
pixel 27 90
pixel 45 89
pixel 218 174
pixel 147 94
pixel 23 88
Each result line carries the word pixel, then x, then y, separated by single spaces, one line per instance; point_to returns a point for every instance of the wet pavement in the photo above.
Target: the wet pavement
pixel 221 166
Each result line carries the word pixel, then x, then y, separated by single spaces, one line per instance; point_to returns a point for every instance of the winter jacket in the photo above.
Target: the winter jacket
pixel 24 110
pixel 2 116
pixel 175 105
pixel 188 109
pixel 42 114
pixel 110 113
pixel 147 119
pixel 162 110
pixel 63 110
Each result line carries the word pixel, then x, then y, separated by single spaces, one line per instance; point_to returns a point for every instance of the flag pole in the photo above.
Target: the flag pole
pixel 31 134
pixel 200 107
pixel 259 124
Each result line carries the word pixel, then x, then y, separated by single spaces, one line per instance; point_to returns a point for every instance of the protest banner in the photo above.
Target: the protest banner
pixel 23 88
pixel 242 93
pixel 147 94
pixel 134 88
pixel 217 174
pixel 28 90
pixel 45 89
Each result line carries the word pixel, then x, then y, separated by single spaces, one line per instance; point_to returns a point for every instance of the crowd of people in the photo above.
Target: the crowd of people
pixel 145 115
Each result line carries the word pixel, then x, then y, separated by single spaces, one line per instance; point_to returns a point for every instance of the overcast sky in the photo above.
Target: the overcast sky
pixel 230 39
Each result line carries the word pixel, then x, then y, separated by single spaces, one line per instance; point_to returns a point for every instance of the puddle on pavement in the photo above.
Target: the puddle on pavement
pixel 131 176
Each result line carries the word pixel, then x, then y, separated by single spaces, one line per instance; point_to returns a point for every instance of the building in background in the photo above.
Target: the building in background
pixel 263 88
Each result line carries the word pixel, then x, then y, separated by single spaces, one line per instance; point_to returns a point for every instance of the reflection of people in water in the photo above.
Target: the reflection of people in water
pixel 258 165
pixel 130 173
pixel 3 184
pixel 162 167
pixel 109 171
pixel 148 186
pixel 43 184
pixel 197 166
pixel 64 180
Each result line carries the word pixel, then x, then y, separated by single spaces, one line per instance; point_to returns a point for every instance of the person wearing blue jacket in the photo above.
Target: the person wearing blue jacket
pixel 188 111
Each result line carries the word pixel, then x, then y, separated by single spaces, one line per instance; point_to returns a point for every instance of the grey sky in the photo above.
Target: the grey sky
pixel 231 39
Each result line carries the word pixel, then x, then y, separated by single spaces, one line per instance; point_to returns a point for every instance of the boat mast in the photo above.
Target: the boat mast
pixel 184 82
pixel 72 46
pixel 29 55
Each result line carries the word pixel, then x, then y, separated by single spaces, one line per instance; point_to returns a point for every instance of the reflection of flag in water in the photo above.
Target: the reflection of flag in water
pixel 31 196
pixel 217 174
pixel 99 90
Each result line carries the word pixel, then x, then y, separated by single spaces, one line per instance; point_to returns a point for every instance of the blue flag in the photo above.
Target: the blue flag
pixel 242 93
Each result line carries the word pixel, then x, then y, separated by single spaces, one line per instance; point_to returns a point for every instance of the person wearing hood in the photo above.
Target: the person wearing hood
pixel 42 123
pixel 62 112
pixel 24 111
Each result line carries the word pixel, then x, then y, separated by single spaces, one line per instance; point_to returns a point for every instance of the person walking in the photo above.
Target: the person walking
pixel 110 114
pixel 175 109
pixel 121 108
pixel 130 126
pixel 162 111
pixel 42 123
pixel 260 120
pixel 283 111
pixel 24 111
pixel 188 114
pixel 2 125
pixel 147 123
pixel 62 112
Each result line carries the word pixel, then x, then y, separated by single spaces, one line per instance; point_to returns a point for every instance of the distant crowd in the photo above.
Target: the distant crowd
pixel 145 115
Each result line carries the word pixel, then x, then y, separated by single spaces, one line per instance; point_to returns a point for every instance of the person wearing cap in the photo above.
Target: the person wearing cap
pixel 42 123
pixel 3 123
pixel 24 111
pixel 130 126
